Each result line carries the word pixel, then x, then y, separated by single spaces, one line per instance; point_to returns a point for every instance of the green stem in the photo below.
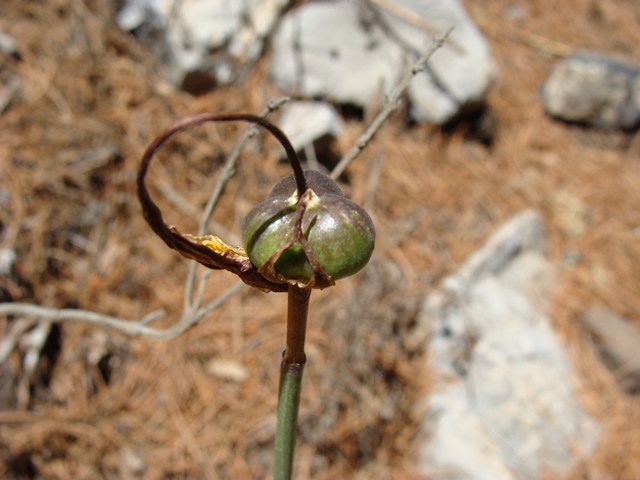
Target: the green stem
pixel 290 382
pixel 288 401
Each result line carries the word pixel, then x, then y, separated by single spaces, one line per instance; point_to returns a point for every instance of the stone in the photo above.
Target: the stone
pixel 8 258
pixel 617 339
pixel 203 43
pixel 8 45
pixel 349 54
pixel 312 128
pixel 320 50
pixel 227 370
pixel 459 75
pixel 132 463
pixel 594 90
pixel 308 122
pixel 503 405
pixel 523 233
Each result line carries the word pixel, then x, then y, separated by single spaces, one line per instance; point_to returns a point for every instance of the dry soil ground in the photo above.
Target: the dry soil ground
pixel 104 405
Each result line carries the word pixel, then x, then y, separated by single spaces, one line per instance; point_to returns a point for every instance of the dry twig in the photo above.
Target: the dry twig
pixel 391 104
pixel 134 328
pixel 412 18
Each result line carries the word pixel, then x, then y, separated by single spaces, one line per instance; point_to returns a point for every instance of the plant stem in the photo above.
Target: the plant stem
pixel 298 308
pixel 288 401
pixel 290 382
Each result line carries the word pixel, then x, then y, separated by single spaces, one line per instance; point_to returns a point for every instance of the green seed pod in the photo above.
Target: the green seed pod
pixel 314 239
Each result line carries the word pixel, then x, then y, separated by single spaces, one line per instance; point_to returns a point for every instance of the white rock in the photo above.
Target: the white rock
pixel 8 258
pixel 192 29
pixel 321 50
pixel 7 44
pixel 136 12
pixel 617 339
pixel 227 370
pixel 306 122
pixel 524 232
pixel 334 51
pixel 132 463
pixel 504 405
pixel 461 72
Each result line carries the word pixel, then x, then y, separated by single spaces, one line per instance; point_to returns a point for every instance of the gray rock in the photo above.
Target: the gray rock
pixel 307 122
pixel 523 233
pixel 8 258
pixel 595 90
pixel 8 44
pixel 132 463
pixel 345 53
pixel 203 43
pixel 504 405
pixel 322 50
pixel 460 74
pixel 312 128
pixel 617 339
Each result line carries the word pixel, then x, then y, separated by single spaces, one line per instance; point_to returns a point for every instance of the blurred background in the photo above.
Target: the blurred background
pixel 80 100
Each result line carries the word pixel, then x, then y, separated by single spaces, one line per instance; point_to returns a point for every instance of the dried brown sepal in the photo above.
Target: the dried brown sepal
pixel 210 251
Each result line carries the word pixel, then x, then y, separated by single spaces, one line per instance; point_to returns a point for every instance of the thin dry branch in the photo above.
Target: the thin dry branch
pixel 412 18
pixel 12 336
pixel 133 328
pixel 391 104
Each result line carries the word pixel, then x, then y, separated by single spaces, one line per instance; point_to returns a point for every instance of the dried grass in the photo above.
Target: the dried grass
pixel 91 98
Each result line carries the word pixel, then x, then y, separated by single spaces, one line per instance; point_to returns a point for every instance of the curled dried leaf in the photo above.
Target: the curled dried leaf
pixel 210 250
